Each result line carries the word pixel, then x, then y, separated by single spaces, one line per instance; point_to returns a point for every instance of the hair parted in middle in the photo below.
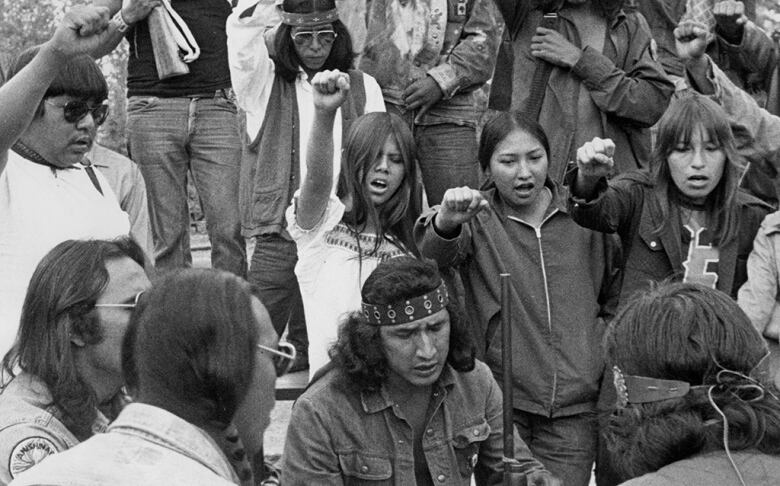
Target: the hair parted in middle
pixel 359 352
pixel 502 124
pixel 60 301
pixel 364 142
pixel 190 345
pixel 688 332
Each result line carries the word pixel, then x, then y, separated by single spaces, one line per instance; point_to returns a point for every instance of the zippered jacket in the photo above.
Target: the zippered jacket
pixel 564 285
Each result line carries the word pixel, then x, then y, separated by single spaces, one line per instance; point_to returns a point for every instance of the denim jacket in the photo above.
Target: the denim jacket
pixel 144 445
pixel 30 426
pixel 461 40
pixel 340 435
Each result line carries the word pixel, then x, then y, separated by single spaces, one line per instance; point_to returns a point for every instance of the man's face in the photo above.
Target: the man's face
pixel 59 141
pixel 126 280
pixel 254 413
pixel 417 352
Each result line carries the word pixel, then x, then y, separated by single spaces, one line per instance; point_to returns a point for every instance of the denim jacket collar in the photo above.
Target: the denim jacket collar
pixel 376 401
pixel 620 16
pixel 166 429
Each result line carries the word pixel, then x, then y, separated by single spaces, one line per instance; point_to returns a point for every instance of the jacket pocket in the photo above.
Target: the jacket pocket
pixel 651 241
pixel 359 469
pixel 465 444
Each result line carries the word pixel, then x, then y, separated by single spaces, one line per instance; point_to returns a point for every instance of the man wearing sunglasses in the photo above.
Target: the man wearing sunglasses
pixel 52 103
pixel 65 365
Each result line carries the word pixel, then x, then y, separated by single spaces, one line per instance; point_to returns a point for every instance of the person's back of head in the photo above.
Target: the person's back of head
pixel 59 308
pixel 191 345
pixel 705 352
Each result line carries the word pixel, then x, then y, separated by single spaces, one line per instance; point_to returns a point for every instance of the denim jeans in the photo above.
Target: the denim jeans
pixel 169 136
pixel 565 445
pixel 447 153
pixel 272 273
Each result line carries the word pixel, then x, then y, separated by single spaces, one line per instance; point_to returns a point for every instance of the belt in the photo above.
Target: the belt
pixel 226 93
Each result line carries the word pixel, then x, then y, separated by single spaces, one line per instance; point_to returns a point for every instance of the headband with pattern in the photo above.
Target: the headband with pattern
pixel 407 310
pixel 309 19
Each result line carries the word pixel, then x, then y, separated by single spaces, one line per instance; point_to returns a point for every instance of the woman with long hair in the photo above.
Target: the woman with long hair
pixel 695 402
pixel 275 49
pixel 683 219
pixel 341 238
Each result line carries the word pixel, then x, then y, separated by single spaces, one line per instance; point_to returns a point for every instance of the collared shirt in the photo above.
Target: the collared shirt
pixel 41 207
pixel 144 445
pixel 339 434
pixel 30 426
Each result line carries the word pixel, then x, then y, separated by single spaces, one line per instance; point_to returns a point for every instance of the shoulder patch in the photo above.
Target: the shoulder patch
pixel 28 453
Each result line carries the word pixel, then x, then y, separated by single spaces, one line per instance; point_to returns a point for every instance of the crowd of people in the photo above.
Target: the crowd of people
pixel 390 160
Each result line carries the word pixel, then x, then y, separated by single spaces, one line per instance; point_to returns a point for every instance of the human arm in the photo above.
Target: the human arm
pixel 251 67
pixel 82 30
pixel 329 90
pixel 308 454
pixel 758 296
pixel 594 162
pixel 132 11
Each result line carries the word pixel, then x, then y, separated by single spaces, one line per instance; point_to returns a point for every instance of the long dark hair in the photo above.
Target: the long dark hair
pixel 191 344
pixel 60 301
pixel 688 332
pixel 286 59
pixel 685 115
pixel 359 352
pixel 502 124
pixel 362 145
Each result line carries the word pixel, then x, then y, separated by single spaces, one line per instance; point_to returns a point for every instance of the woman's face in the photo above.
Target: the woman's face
pixel 386 173
pixel 313 44
pixel 518 167
pixel 697 167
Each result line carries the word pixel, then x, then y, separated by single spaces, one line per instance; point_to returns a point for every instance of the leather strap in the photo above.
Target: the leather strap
pixel 533 106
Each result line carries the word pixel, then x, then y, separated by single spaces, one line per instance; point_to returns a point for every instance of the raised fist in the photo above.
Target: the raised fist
pixel 459 205
pixel 330 90
pixel 594 158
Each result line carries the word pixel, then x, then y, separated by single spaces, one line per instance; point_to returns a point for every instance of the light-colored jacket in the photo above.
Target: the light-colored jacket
pixel 759 296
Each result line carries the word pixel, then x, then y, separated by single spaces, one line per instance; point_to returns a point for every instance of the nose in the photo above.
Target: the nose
pixel 425 346
pixel 381 164
pixel 87 122
pixel 315 41
pixel 523 172
pixel 698 158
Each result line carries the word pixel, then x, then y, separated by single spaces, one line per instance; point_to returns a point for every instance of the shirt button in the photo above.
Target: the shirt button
pixel 364 469
pixel 441 478
pixel 435 394
pixel 435 36
pixel 429 432
pixel 476 432
pixel 417 63
pixel 653 244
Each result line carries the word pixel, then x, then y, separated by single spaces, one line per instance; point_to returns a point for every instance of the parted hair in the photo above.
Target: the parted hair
pixel 190 345
pixel 60 302
pixel 79 77
pixel 502 124
pixel 688 332
pixel 359 352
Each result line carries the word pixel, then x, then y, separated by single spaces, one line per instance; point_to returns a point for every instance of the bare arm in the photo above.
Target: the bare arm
pixel 82 30
pixel 132 12
pixel 330 91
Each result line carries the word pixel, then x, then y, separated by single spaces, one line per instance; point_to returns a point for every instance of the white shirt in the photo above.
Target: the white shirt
pixel 252 73
pixel 39 208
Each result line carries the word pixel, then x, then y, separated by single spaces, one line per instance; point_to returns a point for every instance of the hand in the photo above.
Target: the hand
pixel 730 19
pixel 330 90
pixel 691 40
pixel 459 205
pixel 423 94
pixel 542 478
pixel 135 10
pixel 594 159
pixel 83 29
pixel 551 46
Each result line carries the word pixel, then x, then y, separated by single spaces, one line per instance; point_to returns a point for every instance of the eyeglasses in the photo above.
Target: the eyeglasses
pixel 283 360
pixel 124 306
pixel 306 37
pixel 74 111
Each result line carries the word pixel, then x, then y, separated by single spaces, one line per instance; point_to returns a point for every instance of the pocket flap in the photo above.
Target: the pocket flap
pixel 361 466
pixel 478 432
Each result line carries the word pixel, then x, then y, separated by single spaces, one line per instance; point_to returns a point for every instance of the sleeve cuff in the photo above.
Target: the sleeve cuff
pixel 592 66
pixel 445 77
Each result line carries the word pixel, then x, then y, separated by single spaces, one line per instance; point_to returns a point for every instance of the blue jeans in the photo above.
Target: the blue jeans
pixel 272 274
pixel 447 153
pixel 565 445
pixel 169 136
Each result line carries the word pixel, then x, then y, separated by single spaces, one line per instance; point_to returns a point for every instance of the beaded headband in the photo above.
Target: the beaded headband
pixel 310 19
pixel 407 310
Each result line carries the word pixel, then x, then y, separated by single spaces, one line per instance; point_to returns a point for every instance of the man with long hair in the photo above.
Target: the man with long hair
pixel 65 364
pixel 404 400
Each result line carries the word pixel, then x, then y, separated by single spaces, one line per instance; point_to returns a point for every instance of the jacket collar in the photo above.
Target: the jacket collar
pixel 376 401
pixel 159 426
pixel 772 223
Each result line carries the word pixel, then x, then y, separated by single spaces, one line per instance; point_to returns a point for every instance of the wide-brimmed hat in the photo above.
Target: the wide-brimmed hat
pixel 308 13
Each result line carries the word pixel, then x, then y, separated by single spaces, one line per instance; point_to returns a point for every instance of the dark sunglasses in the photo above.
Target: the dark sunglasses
pixel 74 111
pixel 283 360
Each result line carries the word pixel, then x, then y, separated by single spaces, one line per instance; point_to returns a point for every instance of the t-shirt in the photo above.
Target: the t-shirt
pixel 332 265
pixel 701 261
pixel 39 208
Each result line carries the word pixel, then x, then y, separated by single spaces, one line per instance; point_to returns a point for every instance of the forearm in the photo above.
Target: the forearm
pixel 115 37
pixel 315 189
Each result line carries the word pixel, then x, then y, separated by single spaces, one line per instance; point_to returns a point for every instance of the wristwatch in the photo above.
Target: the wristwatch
pixel 119 22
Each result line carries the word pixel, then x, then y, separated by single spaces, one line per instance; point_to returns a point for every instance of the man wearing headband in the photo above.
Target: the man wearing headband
pixel 54 98
pixel 403 401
